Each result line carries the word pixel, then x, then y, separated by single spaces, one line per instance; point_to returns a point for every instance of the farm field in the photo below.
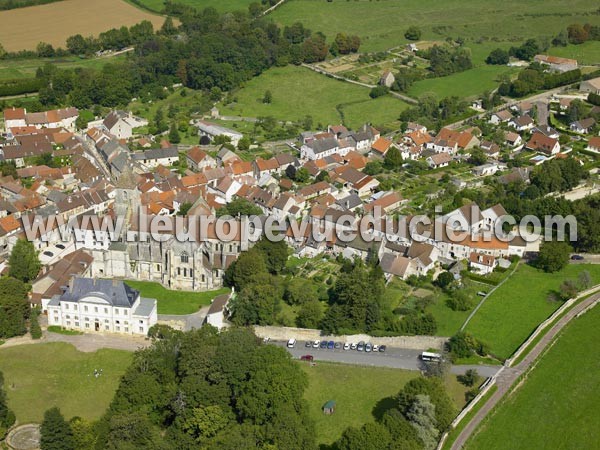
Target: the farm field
pixel 219 5
pixel 360 393
pixel 514 310
pixel 381 25
pixel 40 376
pixel 297 92
pixel 586 53
pixel 557 406
pixel 175 302
pixel 26 68
pixel 24 28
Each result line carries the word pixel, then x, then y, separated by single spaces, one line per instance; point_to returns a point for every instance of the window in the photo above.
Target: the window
pixel 118 328
pixel 116 311
pixel 66 306
pixel 184 272
pixel 141 321
pixel 95 309
pixel 76 324
pixel 126 330
pixel 87 325
pixel 67 316
pixel 191 273
pixel 105 310
pixel 68 322
pixel 179 271
pixel 87 319
pixel 116 321
pixel 106 327
pixel 75 307
pixel 105 320
pixel 184 257
pixel 141 329
pixel 158 267
pixel 85 308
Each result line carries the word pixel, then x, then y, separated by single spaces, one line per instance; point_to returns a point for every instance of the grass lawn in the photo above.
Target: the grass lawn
pixel 26 68
pixel 382 24
pixel 361 394
pixel 557 406
pixel 40 376
pixel 586 53
pixel 175 302
pixel 298 92
pixel 515 309
pixel 219 5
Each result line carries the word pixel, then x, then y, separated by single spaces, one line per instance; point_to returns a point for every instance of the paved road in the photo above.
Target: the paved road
pixel 397 358
pixel 509 375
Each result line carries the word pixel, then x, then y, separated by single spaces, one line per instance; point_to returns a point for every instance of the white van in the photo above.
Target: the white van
pixel 291 343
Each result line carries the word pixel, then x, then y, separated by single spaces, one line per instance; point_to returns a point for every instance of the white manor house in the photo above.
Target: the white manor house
pixel 104 306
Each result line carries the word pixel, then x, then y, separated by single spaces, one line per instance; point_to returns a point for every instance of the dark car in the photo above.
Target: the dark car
pixel 361 346
pixel 323 344
pixel 338 345
pixel 330 345
pixel 308 344
pixel 382 348
pixel 577 258
pixel 306 358
pixel 50 254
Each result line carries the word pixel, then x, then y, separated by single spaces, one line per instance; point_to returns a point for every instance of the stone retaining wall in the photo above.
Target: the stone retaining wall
pixel 304 334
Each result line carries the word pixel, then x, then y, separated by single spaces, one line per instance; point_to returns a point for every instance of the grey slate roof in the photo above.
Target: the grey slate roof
pixel 145 307
pixel 116 293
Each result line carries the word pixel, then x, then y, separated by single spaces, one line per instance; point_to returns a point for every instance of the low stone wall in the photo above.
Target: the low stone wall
pixel 304 334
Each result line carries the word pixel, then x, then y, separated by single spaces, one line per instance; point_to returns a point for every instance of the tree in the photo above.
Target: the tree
pixel 444 280
pixel 7 417
pixel 371 436
pixel 174 137
pixel 205 422
pixel 34 327
pixel 469 378
pixel 498 57
pixel 302 175
pixel 275 254
pixel 268 97
pixel 55 432
pixel 577 34
pixel 239 206
pixel 585 280
pixel 249 267
pixel 421 415
pixel 568 289
pixel 413 33
pixel 24 262
pixel 553 256
pixel 459 301
pixel 77 44
pixel 45 50
pixel 310 314
pixel 378 91
pixel 393 159
pixel 256 304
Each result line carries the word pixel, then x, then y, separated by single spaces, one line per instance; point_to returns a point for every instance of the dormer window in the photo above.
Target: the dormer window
pixel 184 257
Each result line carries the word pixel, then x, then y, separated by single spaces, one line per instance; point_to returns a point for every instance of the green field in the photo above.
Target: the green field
pixel 219 5
pixel 40 376
pixel 586 53
pixel 26 68
pixel 557 406
pixel 298 92
pixel 515 309
pixel 381 24
pixel 175 302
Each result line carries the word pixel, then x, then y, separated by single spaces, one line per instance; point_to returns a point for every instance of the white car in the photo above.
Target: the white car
pixel 316 344
pixel 346 346
pixel 353 346
pixel 375 347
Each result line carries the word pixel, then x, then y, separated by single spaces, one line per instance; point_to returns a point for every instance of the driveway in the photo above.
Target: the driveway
pixel 187 322
pixel 395 358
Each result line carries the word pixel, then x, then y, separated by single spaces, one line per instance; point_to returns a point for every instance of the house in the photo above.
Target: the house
pixel 482 263
pixel 450 141
pixel 121 124
pixel 380 147
pixel 396 265
pixel 492 214
pixel 543 144
pixel 439 160
pixel 102 306
pixel 387 203
pixel 319 148
pixel 500 117
pixel 485 170
pixel 157 157
pixel 14 118
pixel 546 131
pixel 209 131
pixel 522 123
pixel 387 79
pixel 583 126
pixel 198 159
pixel 218 312
pixel 329 407
pixel 592 86
pixel 594 144
pixel 512 139
pixel 491 149
pixel 556 63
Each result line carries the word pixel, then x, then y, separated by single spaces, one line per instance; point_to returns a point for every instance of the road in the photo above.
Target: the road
pixel 395 358
pixel 507 377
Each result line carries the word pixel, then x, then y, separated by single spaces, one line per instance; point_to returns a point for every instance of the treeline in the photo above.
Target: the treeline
pixel 445 59
pixel 534 78
pixel 209 52
pixel 14 4
pixel 433 113
pixel 577 33
pixel 421 411
pixel 20 86
pixel 201 389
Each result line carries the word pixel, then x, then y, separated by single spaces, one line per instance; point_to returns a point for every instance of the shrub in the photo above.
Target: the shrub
pixel 34 327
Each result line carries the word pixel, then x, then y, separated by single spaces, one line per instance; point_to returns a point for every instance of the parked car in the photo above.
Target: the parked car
pixel 338 345
pixel 353 346
pixel 481 293
pixel 368 347
pixel 323 344
pixel 266 340
pixel 308 344
pixel 577 258
pixel 375 347
pixel 316 343
pixel 306 358
pixel 330 345
pixel 60 246
pixel 291 343
pixel 382 348
pixel 346 346
pixel 50 254
pixel 361 346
